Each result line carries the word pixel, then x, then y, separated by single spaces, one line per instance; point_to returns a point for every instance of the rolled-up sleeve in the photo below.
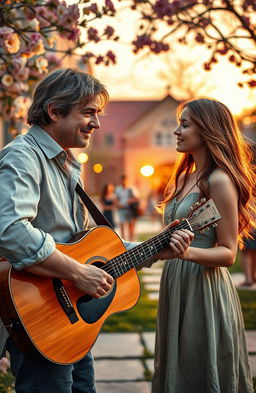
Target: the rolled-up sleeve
pixel 20 242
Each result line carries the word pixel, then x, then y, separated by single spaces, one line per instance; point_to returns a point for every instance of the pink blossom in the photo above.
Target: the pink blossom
pixel 73 34
pixel 111 56
pixel 45 16
pixel 19 63
pixel 33 25
pixel 53 60
pixel 41 64
pixel 5 31
pixel 93 34
pixel 20 107
pixel 12 43
pixel 110 5
pixel 93 8
pixel 34 38
pixel 18 88
pixel 7 80
pixel 68 18
pixel 22 74
pixel 73 10
pixel 109 31
pixel 39 48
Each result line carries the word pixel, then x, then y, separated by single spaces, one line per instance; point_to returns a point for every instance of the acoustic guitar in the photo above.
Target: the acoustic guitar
pixel 51 317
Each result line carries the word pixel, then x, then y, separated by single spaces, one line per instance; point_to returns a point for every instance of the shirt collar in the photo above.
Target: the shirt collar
pixel 46 143
pixel 50 147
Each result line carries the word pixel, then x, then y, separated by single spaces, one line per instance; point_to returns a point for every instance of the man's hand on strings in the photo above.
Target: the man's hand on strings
pixel 93 281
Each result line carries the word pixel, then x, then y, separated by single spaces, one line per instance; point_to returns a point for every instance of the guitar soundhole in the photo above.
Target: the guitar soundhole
pixel 92 309
pixel 98 264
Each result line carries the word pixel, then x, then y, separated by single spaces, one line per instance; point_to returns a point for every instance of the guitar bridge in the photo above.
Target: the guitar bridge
pixel 64 300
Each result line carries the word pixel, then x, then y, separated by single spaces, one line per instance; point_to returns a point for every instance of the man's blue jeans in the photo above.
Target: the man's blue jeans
pixel 43 376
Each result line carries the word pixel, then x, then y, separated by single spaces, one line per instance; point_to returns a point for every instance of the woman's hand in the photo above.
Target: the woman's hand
pixel 179 242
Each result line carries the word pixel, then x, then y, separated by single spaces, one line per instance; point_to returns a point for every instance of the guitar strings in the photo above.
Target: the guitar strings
pixel 115 267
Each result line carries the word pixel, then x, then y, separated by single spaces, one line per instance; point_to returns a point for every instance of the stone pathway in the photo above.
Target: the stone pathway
pixel 124 361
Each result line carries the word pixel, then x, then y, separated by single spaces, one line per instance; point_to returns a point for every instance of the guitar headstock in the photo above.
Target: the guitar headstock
pixel 203 214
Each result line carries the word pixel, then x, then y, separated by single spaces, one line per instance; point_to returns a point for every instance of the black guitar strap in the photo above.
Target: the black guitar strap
pixel 96 214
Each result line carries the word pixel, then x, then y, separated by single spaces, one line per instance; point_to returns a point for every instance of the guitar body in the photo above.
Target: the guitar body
pixel 43 308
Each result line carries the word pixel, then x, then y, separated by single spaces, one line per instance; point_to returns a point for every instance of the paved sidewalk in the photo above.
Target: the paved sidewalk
pixel 124 361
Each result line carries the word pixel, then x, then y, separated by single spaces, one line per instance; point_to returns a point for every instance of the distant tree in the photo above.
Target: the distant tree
pixel 29 30
pixel 225 27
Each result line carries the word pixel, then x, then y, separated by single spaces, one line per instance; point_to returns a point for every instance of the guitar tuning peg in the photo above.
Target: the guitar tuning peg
pixel 214 224
pixel 197 204
pixel 203 200
pixel 202 230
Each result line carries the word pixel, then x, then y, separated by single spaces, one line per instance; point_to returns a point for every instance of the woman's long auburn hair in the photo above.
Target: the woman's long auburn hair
pixel 227 150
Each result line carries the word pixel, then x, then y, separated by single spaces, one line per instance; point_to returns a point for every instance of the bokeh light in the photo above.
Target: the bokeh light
pixel 98 168
pixel 147 170
pixel 82 158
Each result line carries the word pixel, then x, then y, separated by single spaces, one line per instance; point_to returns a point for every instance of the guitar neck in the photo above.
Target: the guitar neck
pixel 133 258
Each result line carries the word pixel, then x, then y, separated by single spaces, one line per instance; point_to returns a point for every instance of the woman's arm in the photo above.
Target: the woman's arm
pixel 224 194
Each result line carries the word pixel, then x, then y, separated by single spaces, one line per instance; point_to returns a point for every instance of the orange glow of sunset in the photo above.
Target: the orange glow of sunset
pixel 146 76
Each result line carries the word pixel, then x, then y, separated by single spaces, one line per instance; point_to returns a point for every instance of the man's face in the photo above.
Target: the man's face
pixel 75 129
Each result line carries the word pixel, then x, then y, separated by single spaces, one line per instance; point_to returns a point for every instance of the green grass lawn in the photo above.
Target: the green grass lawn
pixel 247 299
pixel 140 318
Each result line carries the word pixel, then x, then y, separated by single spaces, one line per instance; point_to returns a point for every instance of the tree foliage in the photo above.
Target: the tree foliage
pixel 225 27
pixel 30 30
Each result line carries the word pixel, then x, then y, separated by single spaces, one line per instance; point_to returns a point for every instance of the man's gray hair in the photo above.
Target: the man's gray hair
pixel 65 89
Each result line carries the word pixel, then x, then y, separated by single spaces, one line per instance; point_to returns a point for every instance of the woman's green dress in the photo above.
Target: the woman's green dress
pixel 200 340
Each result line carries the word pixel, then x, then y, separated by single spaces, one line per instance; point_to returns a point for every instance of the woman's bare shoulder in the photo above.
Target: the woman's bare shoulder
pixel 219 177
pixel 222 187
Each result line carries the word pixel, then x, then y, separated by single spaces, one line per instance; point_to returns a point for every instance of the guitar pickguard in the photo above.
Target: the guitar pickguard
pixel 91 309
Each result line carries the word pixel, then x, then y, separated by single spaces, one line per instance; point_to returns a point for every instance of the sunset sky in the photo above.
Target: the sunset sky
pixel 146 77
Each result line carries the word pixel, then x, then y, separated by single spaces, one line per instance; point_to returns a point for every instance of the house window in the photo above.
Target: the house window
pixel 109 140
pixel 163 138
pixel 159 138
pixel 168 139
pixel 167 123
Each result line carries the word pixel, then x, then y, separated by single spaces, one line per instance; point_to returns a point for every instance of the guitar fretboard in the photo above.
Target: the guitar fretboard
pixel 133 258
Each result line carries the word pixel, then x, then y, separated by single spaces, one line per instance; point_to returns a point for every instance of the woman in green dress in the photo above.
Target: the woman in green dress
pixel 200 340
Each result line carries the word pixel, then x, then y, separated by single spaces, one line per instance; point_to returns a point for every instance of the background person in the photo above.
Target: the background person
pixel 200 340
pixel 248 260
pixel 108 203
pixel 126 195
pixel 248 253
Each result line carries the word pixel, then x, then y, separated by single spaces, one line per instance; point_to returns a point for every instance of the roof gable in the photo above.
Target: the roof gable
pixel 119 115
